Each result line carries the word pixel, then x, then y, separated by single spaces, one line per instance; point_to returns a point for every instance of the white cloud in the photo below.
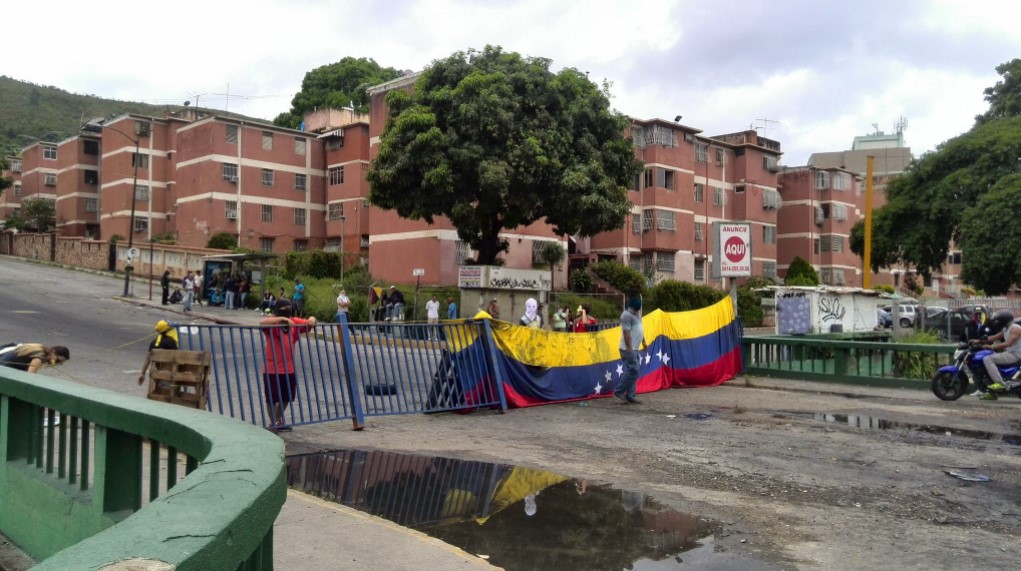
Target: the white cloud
pixel 825 72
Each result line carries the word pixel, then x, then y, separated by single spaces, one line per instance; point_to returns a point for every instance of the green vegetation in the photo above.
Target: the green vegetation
pixel 624 279
pixel 801 273
pixel 37 215
pixel 223 241
pixel 337 85
pixel 915 365
pixel 966 191
pixel 5 181
pixel 495 141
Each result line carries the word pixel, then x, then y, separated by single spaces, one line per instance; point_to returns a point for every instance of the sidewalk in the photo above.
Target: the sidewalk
pixel 311 533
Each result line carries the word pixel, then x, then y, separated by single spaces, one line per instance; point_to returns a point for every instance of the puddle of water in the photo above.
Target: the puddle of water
pixel 522 519
pixel 700 415
pixel 877 423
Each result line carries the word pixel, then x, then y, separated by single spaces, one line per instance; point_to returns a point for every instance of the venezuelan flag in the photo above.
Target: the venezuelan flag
pixel 685 349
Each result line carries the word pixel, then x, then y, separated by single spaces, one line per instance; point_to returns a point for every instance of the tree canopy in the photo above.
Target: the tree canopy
pixel 495 141
pixel 5 181
pixel 951 194
pixel 801 273
pixel 336 85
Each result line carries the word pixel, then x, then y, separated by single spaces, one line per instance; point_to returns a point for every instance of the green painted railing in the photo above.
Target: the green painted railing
pixel 120 479
pixel 856 362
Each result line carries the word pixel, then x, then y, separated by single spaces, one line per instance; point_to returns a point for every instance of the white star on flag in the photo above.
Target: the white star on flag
pixel 598 388
pixel 608 376
pixel 620 370
pixel 648 358
pixel 663 357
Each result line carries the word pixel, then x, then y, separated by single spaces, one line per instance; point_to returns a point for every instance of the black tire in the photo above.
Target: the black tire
pixel 905 322
pixel 949 386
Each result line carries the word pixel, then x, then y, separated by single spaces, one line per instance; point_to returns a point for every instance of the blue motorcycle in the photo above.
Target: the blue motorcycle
pixel 951 381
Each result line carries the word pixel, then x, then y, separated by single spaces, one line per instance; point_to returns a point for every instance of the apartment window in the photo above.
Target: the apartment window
pixel 300 245
pixel 230 209
pixel 142 128
pixel 739 189
pixel 537 251
pixel 824 244
pixel 954 259
pixel 838 243
pixel 267 177
pixel 49 152
pixel 266 244
pixel 267 141
pixel 267 213
pixel 770 199
pixel 769 234
pixel 770 164
pixel 665 262
pixel 300 214
pixel 90 147
pixel 91 205
pixel 721 158
pixel 841 181
pixel 699 193
pixel 334 143
pixel 50 179
pixel 769 269
pixel 142 192
pixel 141 224
pixel 230 172
pixel 91 177
pixel 699 270
pixel 140 160
pixel 336 175
pixel 699 232
pixel 647 263
pixel 299 145
pixel 636 223
pixel 17 190
pixel 333 244
pixel 838 276
pixel 826 276
pixel 635 262
pixel 300 182
pixel 665 178
pixel 701 152
pixel 718 196
pixel 649 178
pixel 665 220
pixel 647 216
pixel 363 241
pixel 231 133
pixel 822 180
pixel 636 183
pixel 839 212
pixel 815 246
pixel 16 165
pixel 335 211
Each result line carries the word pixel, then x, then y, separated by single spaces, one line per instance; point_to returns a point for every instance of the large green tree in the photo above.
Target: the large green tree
pixel 928 205
pixel 495 141
pixel 39 214
pixel 336 85
pixel 5 181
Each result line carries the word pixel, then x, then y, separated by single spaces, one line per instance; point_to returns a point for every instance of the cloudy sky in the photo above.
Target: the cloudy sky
pixel 811 74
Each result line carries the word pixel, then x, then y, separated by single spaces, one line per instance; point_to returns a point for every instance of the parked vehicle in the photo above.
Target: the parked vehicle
pixel 908 314
pixel 883 318
pixel 949 325
pixel 951 381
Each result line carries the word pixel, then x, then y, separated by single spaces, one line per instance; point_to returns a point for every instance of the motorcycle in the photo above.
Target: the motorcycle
pixel 951 381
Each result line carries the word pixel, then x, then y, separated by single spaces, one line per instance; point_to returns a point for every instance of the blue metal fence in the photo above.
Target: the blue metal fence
pixel 347 371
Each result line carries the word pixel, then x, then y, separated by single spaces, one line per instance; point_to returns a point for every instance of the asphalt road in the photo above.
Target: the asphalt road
pixel 107 337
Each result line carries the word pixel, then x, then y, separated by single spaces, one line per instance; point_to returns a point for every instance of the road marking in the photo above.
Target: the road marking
pixel 24 311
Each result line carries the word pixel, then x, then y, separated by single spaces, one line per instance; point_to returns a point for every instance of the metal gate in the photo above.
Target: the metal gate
pixel 348 371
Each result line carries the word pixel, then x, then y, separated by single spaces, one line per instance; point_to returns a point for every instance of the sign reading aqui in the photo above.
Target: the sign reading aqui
pixel 732 249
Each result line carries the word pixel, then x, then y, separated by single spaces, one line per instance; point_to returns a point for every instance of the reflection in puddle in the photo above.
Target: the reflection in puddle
pixel 519 517
pixel 877 423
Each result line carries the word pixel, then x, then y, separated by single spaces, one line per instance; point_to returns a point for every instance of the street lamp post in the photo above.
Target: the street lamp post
pixel 96 128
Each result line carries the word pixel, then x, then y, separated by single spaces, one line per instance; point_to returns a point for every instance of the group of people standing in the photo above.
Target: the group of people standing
pixel 563 320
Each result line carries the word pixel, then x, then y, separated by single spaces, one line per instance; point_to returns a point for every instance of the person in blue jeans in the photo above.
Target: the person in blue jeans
pixel 298 299
pixel 632 338
pixel 451 308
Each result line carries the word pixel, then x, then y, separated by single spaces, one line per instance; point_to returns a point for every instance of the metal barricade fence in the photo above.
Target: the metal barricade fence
pixel 341 371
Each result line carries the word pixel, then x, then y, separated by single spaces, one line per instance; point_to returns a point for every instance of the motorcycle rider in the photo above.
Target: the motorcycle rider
pixel 1008 349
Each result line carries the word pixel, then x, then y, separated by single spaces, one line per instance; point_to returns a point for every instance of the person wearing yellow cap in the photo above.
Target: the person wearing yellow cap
pixel 166 338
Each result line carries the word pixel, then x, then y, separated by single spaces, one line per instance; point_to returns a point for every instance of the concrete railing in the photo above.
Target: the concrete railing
pixel 101 489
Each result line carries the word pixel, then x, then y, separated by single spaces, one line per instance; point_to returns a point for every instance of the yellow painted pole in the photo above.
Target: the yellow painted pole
pixel 867 270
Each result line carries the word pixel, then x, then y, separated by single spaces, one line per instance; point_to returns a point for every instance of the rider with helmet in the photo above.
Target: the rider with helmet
pixel 1005 338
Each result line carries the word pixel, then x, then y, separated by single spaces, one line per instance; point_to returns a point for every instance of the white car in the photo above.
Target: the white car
pixel 908 315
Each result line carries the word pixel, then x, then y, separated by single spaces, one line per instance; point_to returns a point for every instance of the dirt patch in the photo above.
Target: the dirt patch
pixel 792 489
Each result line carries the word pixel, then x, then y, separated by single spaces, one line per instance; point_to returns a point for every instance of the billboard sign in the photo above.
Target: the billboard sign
pixel 732 249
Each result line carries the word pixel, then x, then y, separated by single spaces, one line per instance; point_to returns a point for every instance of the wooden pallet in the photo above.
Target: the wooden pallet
pixel 180 377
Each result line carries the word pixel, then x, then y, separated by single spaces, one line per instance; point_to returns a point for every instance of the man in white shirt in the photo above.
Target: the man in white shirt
pixel 432 314
pixel 343 303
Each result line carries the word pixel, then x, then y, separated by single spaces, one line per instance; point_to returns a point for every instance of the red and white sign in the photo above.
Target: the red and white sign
pixel 735 254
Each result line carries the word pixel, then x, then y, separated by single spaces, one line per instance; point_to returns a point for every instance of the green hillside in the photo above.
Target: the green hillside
pixel 29 111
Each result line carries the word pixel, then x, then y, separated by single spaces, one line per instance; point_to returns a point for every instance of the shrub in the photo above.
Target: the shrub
pixel 800 272
pixel 673 295
pixel 581 282
pixel 313 263
pixel 222 241
pixel 602 308
pixel 884 288
pixel 626 280
pixel 915 365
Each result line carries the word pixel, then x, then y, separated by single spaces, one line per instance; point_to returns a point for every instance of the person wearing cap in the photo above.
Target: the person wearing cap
pixel 493 309
pixel 632 338
pixel 166 338
pixel 280 384
pixel 30 357
pixel 396 301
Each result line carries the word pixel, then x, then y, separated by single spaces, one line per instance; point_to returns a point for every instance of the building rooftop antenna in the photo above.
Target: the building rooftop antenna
pixel 901 125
